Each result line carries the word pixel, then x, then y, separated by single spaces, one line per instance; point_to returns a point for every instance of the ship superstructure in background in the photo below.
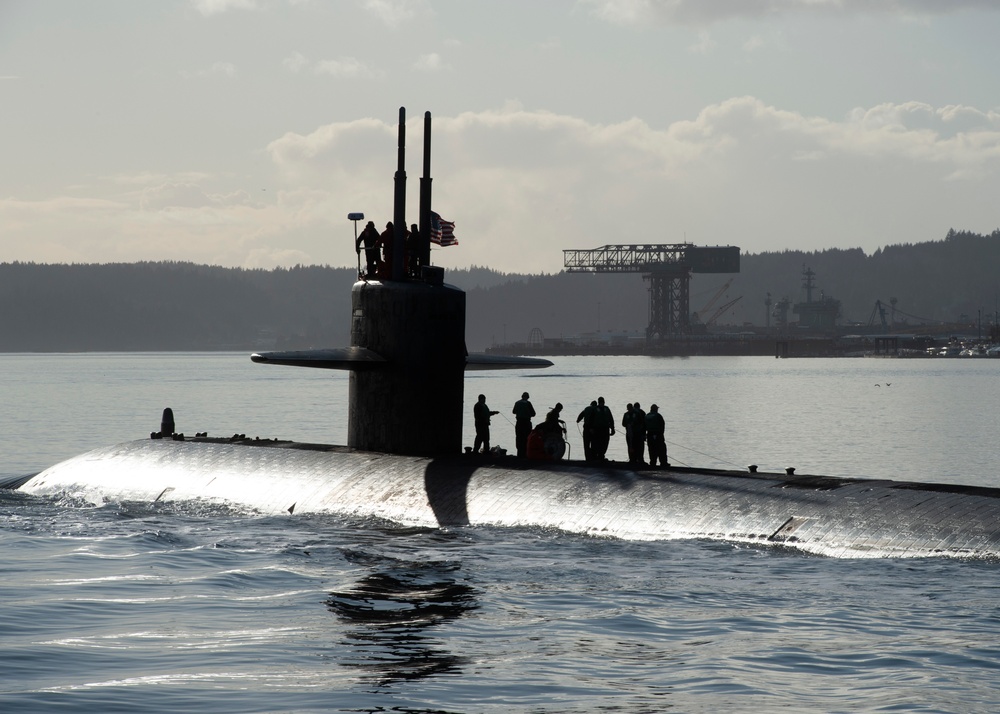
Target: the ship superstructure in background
pixel 816 317
pixel 819 315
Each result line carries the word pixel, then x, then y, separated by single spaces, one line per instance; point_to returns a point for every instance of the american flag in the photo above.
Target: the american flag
pixel 442 231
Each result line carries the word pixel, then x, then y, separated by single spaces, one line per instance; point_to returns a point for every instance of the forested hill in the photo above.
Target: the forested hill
pixel 167 306
pixel 182 306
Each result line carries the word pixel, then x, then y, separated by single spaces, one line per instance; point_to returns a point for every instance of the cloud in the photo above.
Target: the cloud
pixel 342 148
pixel 344 67
pixel 295 62
pixel 705 12
pixel 704 45
pixel 38 209
pixel 224 69
pixel 217 7
pixel 523 185
pixel 349 67
pixel 173 221
pixel 152 178
pixel 59 229
pixel 185 195
pixel 430 63
pixel 395 13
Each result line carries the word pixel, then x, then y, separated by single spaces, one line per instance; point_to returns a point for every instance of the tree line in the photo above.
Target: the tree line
pixel 161 306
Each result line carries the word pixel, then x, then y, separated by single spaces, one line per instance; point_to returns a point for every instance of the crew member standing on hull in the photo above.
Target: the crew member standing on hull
pixel 587 417
pixel 627 426
pixel 385 242
pixel 523 412
pixel 601 430
pixel 655 429
pixel 369 237
pixel 482 414
pixel 638 433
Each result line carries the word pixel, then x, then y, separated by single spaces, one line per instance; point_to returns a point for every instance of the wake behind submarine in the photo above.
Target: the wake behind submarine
pixel 408 350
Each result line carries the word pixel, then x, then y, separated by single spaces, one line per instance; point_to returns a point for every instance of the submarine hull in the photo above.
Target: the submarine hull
pixel 854 518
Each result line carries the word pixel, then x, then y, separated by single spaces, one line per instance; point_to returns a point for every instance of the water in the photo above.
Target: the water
pixel 129 607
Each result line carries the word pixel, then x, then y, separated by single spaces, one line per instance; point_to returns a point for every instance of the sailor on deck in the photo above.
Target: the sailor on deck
pixel 638 434
pixel 602 427
pixel 369 237
pixel 655 428
pixel 523 412
pixel 385 240
pixel 482 415
pixel 587 416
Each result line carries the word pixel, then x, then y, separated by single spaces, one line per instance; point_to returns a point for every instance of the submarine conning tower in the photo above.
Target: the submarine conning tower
pixel 407 356
pixel 412 404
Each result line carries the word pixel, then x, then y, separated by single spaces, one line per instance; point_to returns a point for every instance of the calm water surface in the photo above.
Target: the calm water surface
pixel 181 607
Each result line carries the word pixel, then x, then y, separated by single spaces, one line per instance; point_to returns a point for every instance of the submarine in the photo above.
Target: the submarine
pixel 404 465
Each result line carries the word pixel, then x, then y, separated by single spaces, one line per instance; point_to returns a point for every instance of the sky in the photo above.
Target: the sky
pixel 242 132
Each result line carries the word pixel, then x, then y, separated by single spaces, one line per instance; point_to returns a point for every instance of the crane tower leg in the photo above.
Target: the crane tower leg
pixel 669 303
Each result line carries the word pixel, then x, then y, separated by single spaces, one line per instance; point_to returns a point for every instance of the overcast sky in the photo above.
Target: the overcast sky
pixel 242 132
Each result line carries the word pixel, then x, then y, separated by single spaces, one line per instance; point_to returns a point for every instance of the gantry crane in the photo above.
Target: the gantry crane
pixel 668 269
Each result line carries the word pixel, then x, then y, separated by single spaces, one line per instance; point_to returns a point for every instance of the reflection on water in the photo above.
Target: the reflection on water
pixel 391 611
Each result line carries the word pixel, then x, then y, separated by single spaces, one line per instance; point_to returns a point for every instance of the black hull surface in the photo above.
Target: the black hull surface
pixel 835 517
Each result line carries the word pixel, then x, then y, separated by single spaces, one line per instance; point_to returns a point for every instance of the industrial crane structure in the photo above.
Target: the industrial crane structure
pixel 700 314
pixel 668 269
